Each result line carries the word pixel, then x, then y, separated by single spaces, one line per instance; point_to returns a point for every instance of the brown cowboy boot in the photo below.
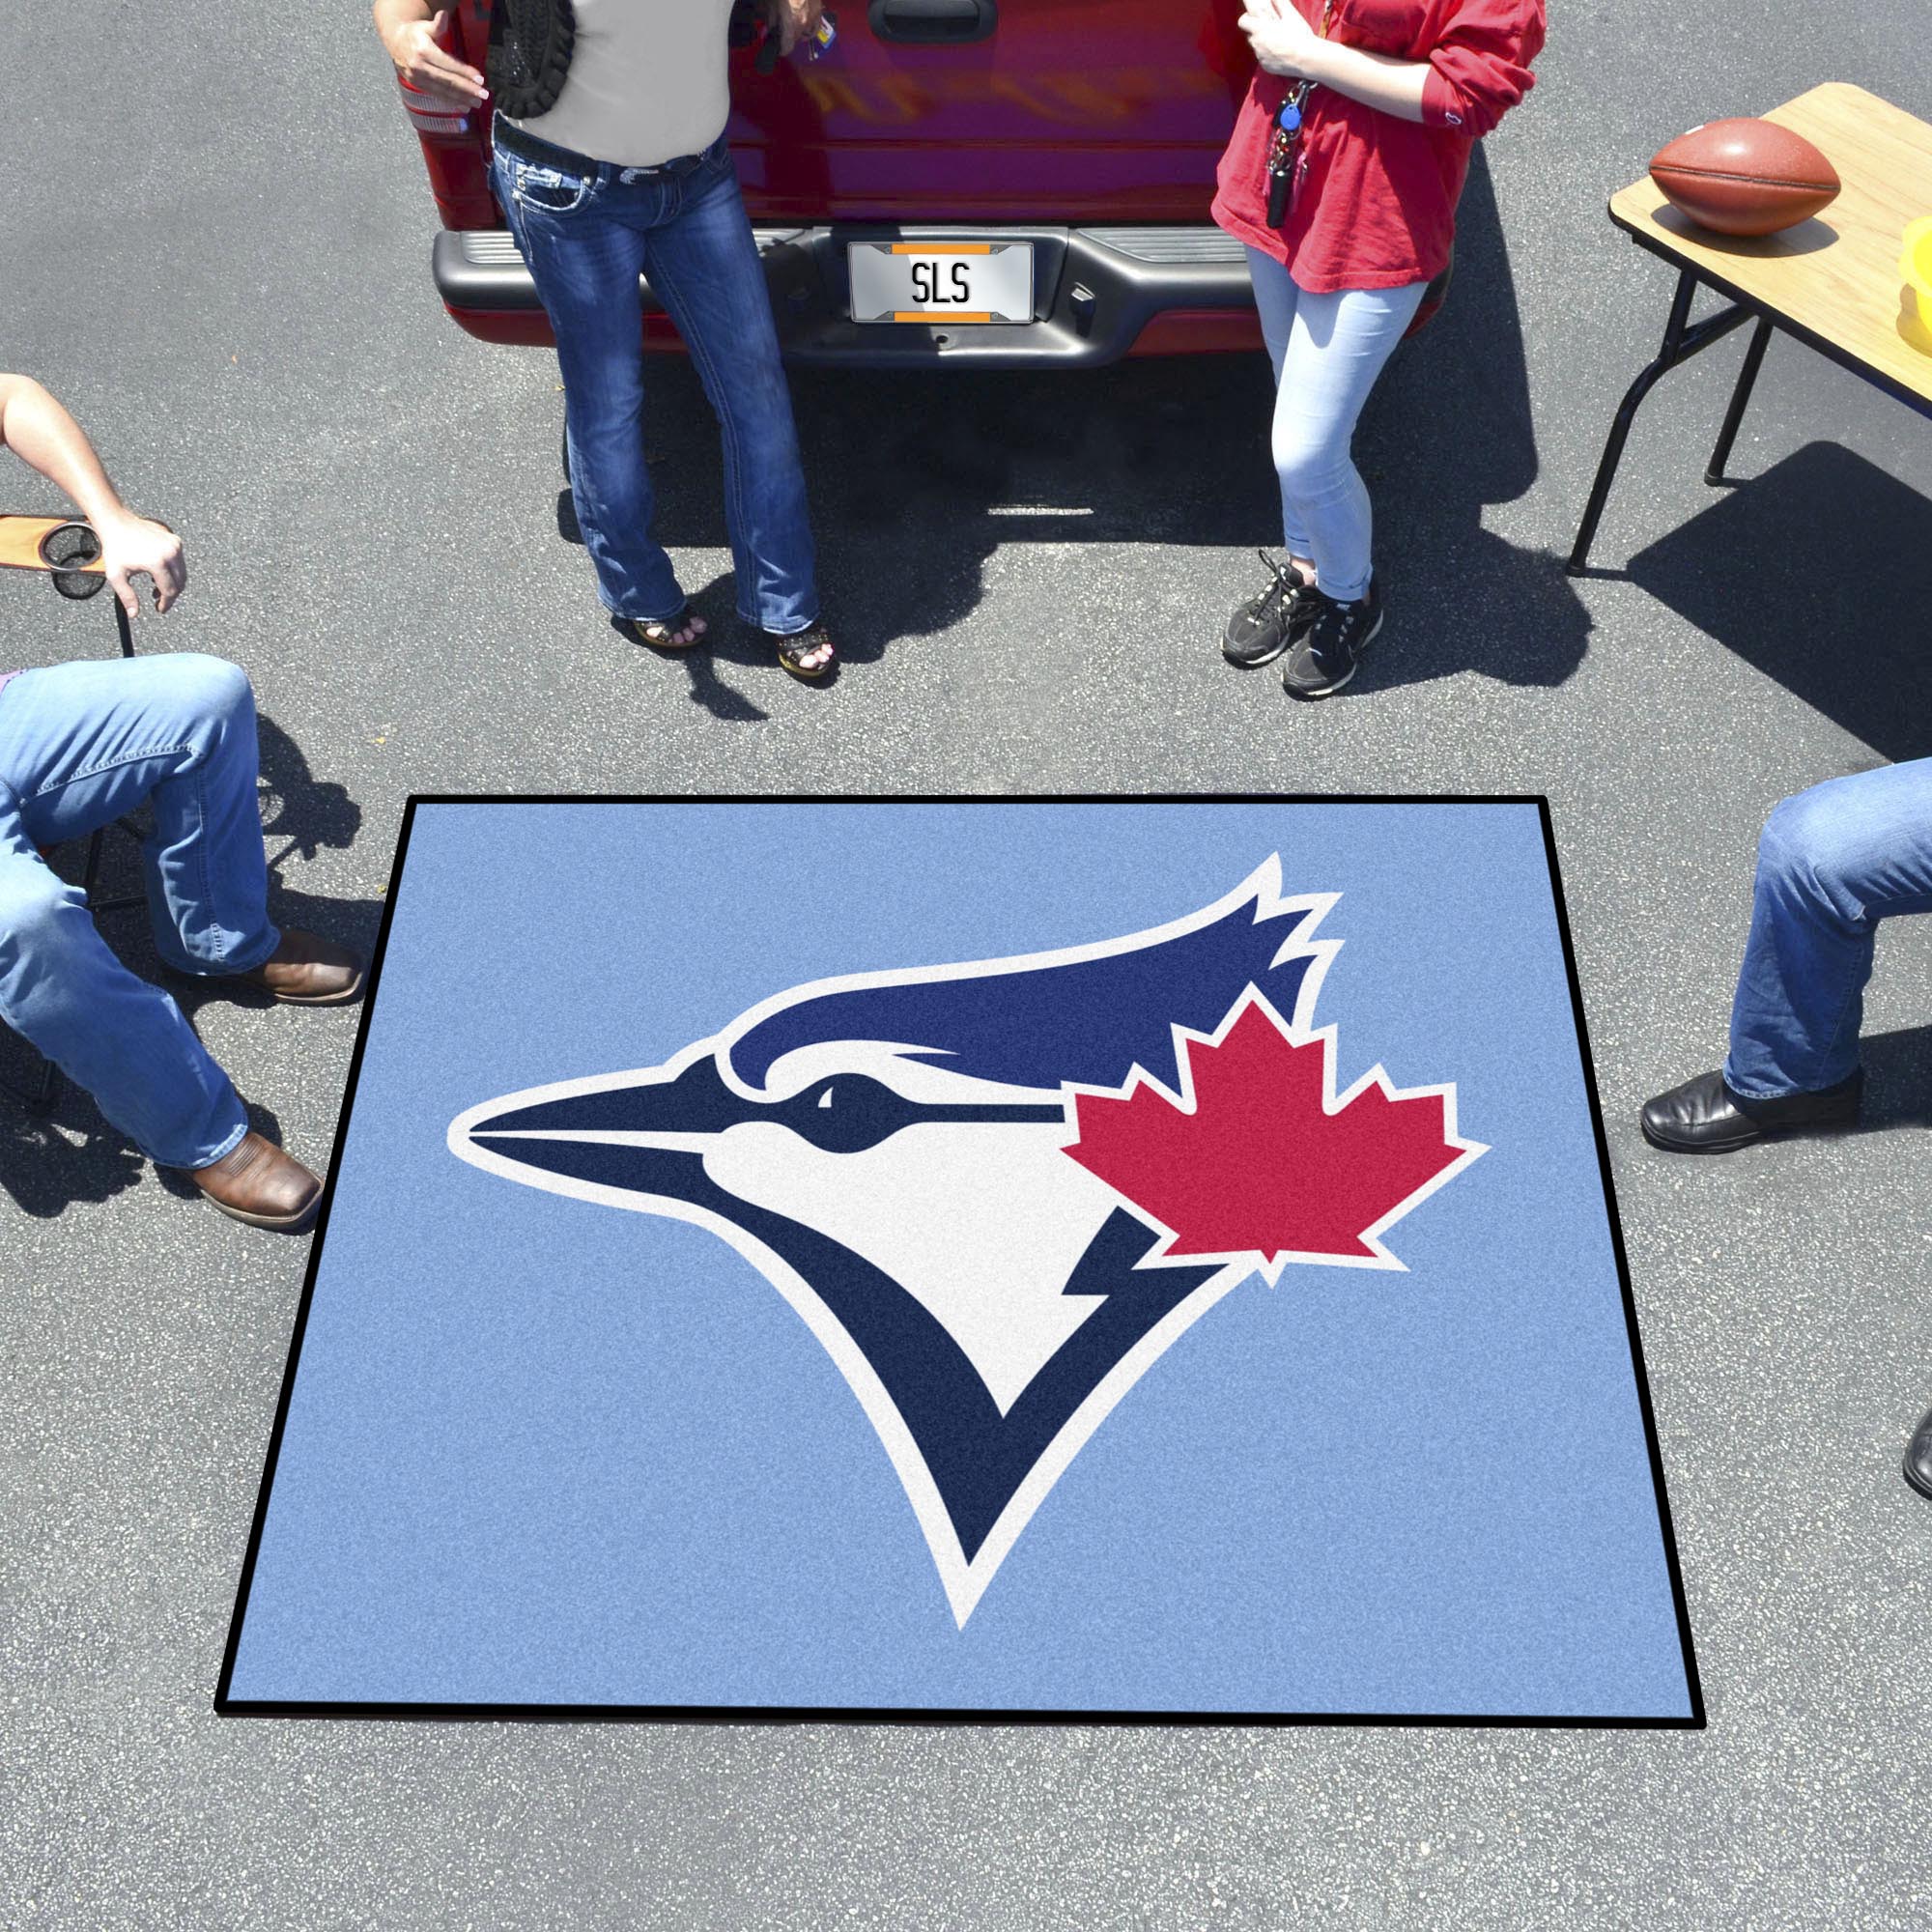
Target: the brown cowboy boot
pixel 306 970
pixel 255 1181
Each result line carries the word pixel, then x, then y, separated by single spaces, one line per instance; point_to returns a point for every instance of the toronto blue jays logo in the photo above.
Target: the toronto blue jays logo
pixel 998 1192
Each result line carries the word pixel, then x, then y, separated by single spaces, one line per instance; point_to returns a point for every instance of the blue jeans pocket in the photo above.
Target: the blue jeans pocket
pixel 547 191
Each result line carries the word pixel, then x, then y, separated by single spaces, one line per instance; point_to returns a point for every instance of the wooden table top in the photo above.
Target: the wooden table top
pixel 1835 277
pixel 20 539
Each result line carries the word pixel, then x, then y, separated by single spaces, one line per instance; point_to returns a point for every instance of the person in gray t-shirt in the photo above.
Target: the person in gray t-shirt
pixel 610 166
pixel 646 81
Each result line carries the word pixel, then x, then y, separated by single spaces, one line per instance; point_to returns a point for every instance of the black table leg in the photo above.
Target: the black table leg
pixel 1680 342
pixel 127 901
pixel 1740 398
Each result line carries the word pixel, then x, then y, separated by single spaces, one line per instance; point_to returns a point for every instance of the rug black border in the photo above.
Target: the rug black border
pixel 228 1706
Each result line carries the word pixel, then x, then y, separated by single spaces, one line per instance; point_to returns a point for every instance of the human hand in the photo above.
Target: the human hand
pixel 429 68
pixel 1284 43
pixel 133 546
pixel 794 20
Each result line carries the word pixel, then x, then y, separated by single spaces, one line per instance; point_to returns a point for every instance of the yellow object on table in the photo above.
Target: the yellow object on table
pixel 1914 314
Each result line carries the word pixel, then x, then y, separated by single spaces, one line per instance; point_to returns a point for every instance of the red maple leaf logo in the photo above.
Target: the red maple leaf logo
pixel 1262 1164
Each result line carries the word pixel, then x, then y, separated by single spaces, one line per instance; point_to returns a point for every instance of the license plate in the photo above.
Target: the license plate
pixel 941 281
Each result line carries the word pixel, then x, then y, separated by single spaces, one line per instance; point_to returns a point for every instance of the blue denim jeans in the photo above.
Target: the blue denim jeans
pixel 1833 862
pixel 81 745
pixel 588 230
pixel 1327 351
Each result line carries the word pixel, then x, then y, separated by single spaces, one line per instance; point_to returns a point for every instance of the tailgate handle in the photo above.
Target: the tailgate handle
pixel 932 22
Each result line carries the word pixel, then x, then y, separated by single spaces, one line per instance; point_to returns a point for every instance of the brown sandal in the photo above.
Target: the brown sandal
pixel 661 632
pixel 796 646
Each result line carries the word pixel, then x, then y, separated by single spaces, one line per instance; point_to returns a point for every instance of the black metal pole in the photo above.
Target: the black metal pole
pixel 1620 429
pixel 1740 396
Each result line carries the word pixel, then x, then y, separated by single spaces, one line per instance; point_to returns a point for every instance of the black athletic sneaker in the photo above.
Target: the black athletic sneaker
pixel 1264 626
pixel 1325 658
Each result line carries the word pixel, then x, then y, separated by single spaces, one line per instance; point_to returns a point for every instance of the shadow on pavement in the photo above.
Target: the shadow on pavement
pixel 1898 1078
pixel 918 477
pixel 51 1161
pixel 1819 573
pixel 1447 433
pixel 43 1171
pixel 303 811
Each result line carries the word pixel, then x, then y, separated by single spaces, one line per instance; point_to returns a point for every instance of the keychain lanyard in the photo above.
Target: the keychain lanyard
pixel 1288 134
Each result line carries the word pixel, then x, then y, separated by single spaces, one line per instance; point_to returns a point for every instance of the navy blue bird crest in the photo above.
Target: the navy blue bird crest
pixel 997 1192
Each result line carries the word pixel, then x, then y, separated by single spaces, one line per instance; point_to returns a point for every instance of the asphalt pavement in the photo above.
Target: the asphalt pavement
pixel 214 248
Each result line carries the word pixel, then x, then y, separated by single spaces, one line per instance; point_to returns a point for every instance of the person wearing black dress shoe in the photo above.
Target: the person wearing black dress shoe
pixel 1918 1457
pixel 1832 863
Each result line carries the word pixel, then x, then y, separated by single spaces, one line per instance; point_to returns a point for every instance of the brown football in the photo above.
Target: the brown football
pixel 1744 177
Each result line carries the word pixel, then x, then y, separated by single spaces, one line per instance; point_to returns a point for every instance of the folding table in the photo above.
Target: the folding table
pixel 1832 282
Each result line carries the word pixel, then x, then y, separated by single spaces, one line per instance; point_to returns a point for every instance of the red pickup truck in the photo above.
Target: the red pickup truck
pixel 1014 182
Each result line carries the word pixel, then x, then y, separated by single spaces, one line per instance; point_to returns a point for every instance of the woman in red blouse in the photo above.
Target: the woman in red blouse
pixel 1342 178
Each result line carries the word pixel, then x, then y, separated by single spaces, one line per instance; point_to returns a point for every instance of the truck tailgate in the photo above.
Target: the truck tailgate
pixel 1064 111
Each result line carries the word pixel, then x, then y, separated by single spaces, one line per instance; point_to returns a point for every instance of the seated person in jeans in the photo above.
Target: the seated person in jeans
pixel 80 746
pixel 1833 862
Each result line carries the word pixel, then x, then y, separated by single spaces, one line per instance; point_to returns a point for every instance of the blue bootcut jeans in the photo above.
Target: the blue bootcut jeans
pixel 1832 863
pixel 80 746
pixel 588 230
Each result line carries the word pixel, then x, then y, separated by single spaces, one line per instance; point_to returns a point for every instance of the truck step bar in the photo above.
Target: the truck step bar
pixel 1094 291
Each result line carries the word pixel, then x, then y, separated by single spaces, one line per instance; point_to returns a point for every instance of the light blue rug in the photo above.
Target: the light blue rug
pixel 1109 1260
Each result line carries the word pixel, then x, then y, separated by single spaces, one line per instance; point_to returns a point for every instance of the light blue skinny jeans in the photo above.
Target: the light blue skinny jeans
pixel 1327 352
pixel 1831 863
pixel 80 746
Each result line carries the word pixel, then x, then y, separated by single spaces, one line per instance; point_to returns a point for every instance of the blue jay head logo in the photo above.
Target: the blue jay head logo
pixel 998 1192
